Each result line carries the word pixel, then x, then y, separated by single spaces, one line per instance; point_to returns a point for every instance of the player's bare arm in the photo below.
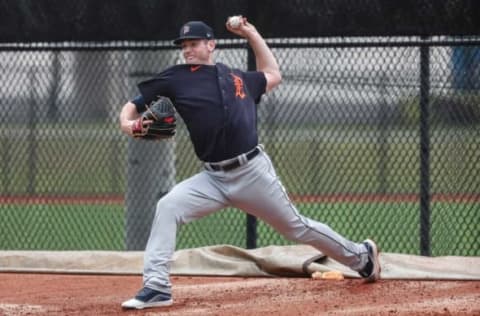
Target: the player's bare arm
pixel 265 60
pixel 128 117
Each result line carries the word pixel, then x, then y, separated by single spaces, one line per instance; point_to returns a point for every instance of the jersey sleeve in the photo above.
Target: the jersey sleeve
pixel 157 86
pixel 256 83
pixel 139 102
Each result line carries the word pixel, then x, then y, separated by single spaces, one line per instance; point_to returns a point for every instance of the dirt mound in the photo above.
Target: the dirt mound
pixel 66 294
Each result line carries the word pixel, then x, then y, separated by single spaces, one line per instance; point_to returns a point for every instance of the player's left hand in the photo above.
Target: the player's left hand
pixel 157 122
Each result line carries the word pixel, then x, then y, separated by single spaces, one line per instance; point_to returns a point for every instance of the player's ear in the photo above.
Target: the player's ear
pixel 211 45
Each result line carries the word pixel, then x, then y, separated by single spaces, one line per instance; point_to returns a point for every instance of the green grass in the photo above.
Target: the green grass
pixel 333 160
pixel 101 227
pixel 316 160
pixel 63 167
pixel 321 166
pixel 61 227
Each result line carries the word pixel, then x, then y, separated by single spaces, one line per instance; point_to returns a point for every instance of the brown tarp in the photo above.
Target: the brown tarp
pixel 226 260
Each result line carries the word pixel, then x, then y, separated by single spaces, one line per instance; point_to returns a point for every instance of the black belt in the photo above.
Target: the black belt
pixel 234 164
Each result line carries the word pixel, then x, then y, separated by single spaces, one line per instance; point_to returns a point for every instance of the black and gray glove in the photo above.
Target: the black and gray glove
pixel 157 122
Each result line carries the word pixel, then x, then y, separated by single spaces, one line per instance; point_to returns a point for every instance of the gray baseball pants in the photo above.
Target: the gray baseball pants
pixel 254 188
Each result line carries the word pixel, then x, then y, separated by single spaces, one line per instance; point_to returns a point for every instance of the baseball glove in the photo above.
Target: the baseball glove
pixel 157 122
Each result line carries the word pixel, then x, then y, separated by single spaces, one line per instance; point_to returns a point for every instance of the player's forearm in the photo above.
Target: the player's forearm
pixel 265 60
pixel 128 115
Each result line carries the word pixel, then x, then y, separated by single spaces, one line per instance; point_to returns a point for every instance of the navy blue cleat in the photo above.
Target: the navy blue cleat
pixel 147 298
pixel 371 272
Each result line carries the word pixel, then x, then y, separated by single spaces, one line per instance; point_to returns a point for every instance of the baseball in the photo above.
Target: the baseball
pixel 235 21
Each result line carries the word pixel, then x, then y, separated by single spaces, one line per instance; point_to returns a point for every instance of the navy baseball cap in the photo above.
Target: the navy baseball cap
pixel 194 30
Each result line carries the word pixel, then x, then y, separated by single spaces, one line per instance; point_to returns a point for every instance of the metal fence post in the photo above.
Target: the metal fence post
pixel 383 137
pixel 251 220
pixel 424 151
pixel 32 131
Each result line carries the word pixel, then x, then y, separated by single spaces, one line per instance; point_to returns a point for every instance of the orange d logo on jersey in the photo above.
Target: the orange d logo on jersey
pixel 238 82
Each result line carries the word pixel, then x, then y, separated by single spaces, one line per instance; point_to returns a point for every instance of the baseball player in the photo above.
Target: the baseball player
pixel 218 106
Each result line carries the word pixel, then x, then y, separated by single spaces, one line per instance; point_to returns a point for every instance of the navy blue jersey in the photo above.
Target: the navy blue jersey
pixel 217 104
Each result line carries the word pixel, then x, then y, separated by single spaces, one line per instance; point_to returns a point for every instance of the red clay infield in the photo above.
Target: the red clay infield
pixel 67 294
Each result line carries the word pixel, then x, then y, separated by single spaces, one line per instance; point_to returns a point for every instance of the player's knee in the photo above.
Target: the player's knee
pixel 167 210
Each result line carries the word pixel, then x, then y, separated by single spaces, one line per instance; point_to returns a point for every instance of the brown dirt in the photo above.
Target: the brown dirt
pixel 302 198
pixel 67 294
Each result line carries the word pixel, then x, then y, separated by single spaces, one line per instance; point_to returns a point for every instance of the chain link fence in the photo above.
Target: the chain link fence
pixel 377 137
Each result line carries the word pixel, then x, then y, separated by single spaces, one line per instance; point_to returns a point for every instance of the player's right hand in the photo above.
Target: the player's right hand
pixel 139 127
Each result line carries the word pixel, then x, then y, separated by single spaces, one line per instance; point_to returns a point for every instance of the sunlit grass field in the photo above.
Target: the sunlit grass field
pixel 102 227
